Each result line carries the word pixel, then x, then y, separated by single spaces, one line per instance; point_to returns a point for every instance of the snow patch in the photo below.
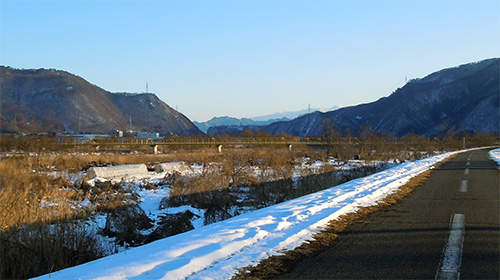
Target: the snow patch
pixel 218 250
pixel 495 155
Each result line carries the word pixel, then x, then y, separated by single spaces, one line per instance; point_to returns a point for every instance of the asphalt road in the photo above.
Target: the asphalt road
pixel 448 228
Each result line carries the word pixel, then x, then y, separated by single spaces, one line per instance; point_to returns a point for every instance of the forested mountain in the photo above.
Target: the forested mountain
pixel 56 101
pixel 459 99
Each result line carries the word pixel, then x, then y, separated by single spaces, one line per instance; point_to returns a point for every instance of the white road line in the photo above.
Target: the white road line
pixel 463 186
pixel 449 267
pixel 466 172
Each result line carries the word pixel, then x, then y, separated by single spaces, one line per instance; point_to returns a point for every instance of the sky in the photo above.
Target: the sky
pixel 249 58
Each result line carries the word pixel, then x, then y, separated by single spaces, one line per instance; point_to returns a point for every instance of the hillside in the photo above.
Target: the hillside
pixel 453 100
pixel 56 101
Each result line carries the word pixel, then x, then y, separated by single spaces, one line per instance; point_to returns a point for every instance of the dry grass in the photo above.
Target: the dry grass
pixel 74 162
pixel 39 228
pixel 225 187
pixel 27 197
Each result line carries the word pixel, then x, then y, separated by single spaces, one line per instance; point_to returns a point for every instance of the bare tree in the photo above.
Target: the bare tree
pixel 330 134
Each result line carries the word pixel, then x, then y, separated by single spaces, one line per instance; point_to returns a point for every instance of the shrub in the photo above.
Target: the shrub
pixel 125 222
pixel 40 248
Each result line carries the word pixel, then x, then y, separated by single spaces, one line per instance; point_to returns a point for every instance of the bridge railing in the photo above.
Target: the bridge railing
pixel 197 141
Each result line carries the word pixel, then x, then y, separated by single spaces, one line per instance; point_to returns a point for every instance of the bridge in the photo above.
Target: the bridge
pixel 200 141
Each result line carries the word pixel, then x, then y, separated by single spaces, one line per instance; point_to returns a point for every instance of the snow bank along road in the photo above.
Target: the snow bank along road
pixel 448 228
pixel 216 251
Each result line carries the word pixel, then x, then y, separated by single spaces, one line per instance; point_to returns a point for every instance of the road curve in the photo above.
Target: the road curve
pixel 448 228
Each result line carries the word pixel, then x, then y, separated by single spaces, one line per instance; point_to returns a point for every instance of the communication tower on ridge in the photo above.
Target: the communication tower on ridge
pixel 147 87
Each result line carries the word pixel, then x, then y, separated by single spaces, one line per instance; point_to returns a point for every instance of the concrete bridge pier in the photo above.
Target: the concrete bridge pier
pixel 97 148
pixel 219 148
pixel 290 147
pixel 155 149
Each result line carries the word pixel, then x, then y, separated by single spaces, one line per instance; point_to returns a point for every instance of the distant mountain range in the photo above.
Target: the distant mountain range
pixel 292 114
pixel 230 121
pixel 44 100
pixel 256 121
pixel 465 98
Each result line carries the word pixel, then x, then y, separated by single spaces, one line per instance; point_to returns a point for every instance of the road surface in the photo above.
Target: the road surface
pixel 448 228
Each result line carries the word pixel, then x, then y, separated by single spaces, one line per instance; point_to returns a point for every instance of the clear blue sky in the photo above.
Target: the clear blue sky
pixel 249 58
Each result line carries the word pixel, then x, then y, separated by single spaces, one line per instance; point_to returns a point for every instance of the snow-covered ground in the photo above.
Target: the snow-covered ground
pixel 150 199
pixel 218 250
pixel 495 155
